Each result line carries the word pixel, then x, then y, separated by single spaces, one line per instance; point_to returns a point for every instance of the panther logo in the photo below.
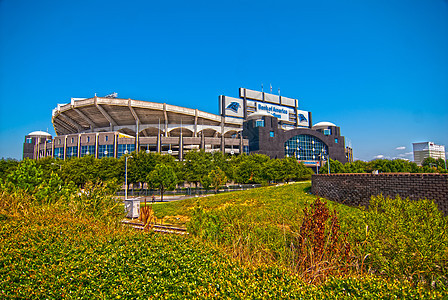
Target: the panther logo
pixel 233 106
pixel 302 118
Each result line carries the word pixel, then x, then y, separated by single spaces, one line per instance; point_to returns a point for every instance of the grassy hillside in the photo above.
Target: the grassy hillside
pixel 58 250
pixel 286 226
pixel 257 226
pixel 276 204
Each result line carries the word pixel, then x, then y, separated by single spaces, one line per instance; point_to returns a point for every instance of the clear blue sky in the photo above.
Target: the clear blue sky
pixel 376 68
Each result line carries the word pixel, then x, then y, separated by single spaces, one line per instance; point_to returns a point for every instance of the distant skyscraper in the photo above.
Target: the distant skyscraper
pixel 427 149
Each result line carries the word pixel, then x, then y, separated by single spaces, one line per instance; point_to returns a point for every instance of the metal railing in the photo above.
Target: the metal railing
pixel 187 191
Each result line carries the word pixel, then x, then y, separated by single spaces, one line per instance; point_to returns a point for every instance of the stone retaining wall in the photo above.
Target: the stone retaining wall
pixel 356 189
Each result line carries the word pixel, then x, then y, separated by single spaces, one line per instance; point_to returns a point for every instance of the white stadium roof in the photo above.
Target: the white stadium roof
pixel 99 114
pixel 323 125
pixel 39 133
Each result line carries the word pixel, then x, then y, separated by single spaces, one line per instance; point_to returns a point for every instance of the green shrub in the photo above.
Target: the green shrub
pixel 404 239
pixel 97 200
pixel 29 178
pixel 53 254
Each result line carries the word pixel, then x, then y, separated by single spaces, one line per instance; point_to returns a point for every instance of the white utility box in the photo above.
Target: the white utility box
pixel 132 207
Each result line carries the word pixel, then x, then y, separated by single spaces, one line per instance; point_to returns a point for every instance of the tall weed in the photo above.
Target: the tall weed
pixel 321 248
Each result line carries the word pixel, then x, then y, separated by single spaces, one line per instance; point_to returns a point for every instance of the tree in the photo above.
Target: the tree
pixel 197 164
pixel 7 166
pixel 357 166
pixel 441 163
pixel 250 170
pixel 108 168
pixel 335 167
pixel 78 170
pixel 162 177
pixel 429 162
pixel 206 182
pixel 140 165
pixel 50 165
pixel 217 178
pixel 274 170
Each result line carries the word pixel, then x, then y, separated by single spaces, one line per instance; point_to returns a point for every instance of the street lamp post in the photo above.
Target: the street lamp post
pixel 328 160
pixel 126 177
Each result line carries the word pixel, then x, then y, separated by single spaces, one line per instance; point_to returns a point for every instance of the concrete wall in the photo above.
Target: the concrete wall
pixel 356 189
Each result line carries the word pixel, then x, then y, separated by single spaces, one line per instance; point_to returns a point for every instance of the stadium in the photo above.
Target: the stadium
pixel 256 122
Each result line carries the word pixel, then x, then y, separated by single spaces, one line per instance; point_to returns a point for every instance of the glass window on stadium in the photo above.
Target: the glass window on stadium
pixel 305 147
pixel 190 147
pixel 59 153
pixel 148 148
pixel 72 152
pixel 169 149
pixel 87 150
pixel 125 147
pixel 105 151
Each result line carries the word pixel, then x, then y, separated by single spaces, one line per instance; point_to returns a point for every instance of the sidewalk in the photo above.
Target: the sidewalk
pixel 167 198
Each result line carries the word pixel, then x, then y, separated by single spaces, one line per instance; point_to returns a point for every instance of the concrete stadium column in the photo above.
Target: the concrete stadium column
pixel 115 144
pixel 52 148
pixel 96 145
pixel 181 148
pixel 166 119
pixel 79 145
pixel 223 146
pixel 137 135
pixel 245 105
pixel 38 147
pixel 195 134
pixel 158 142
pixel 65 146
pixel 241 142
pixel 202 141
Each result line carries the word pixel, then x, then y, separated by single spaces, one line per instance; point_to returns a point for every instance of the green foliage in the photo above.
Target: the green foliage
pixel 383 166
pixel 58 251
pixel 217 178
pixel 293 170
pixel 250 168
pixel 79 170
pixel 335 167
pixel 197 165
pixel 97 200
pixel 6 167
pixel 441 163
pixel 162 177
pixel 206 182
pixel 256 226
pixel 429 162
pixel 52 254
pixel 205 225
pixel 27 176
pixel 404 239
pixel 54 189
pixel 142 163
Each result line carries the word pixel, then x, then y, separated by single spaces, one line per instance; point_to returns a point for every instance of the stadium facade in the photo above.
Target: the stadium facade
pixel 256 122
